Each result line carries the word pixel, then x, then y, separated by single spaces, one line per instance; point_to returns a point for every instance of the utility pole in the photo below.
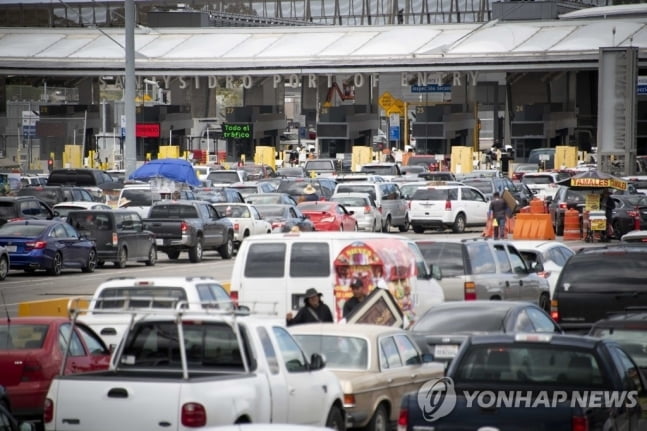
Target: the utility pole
pixel 130 152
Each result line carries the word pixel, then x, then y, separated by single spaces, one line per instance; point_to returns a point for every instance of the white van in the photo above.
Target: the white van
pixel 272 272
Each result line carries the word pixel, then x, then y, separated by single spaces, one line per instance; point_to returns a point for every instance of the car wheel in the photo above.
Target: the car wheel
pixel 459 224
pixel 379 421
pixel 418 229
pixel 91 264
pixel 335 419
pixel 57 265
pixel 404 227
pixel 387 225
pixel 152 256
pixel 617 229
pixel 226 251
pixel 544 302
pixel 100 263
pixel 356 228
pixel 559 226
pixel 4 267
pixel 122 259
pixel 195 252
pixel 173 254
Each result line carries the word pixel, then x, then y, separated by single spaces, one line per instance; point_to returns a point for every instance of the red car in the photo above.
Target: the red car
pixel 327 215
pixel 31 354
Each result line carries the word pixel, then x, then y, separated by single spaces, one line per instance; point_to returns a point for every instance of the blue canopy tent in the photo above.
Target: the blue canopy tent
pixel 178 170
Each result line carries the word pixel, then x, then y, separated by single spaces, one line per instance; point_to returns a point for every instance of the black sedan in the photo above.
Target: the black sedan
pixel 50 245
pixel 628 208
pixel 444 327
pixel 284 218
pixel 629 329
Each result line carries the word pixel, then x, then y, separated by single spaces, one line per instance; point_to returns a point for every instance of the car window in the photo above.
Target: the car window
pixel 310 259
pixel 502 258
pixel 390 358
pixel 75 346
pixel 295 360
pixel 540 321
pixel 92 342
pixel 447 256
pixel 560 255
pixel 58 231
pixel 213 295
pixel 518 264
pixel 627 370
pixel 408 352
pixel 590 272
pixel 481 258
pixel 523 323
pixel 265 261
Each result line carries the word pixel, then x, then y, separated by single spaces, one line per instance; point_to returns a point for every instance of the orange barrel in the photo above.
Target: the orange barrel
pixel 537 206
pixel 572 225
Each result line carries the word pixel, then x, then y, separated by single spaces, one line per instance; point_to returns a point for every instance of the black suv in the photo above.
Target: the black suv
pixel 119 235
pixel 91 179
pixel 597 281
pixel 24 207
pixel 53 195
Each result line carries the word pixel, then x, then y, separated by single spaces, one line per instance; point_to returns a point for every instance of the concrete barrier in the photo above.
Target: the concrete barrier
pixel 533 226
pixel 52 307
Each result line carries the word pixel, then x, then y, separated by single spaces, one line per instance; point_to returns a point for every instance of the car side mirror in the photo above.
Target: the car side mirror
pixel 427 357
pixel 317 362
pixel 538 267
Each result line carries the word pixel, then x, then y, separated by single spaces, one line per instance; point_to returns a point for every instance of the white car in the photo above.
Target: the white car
pixel 552 255
pixel 246 219
pixel 364 209
pixel 64 208
pixel 447 206
pixel 543 184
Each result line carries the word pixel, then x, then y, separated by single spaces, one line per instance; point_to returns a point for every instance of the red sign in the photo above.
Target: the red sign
pixel 147 130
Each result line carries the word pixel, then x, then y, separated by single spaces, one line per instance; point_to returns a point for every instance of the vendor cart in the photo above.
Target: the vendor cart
pixel 596 226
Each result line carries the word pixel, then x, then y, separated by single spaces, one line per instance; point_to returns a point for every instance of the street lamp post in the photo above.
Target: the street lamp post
pixel 130 153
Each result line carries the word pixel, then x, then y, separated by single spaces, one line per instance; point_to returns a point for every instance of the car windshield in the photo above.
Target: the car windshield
pixel 136 198
pixel 380 170
pixel 22 336
pixel 356 188
pixel 633 341
pixel 638 200
pixel 351 202
pixel 271 211
pixel 452 320
pixel 426 194
pixel 538 179
pixel 484 186
pixel 341 352
pixel 228 177
pixel 447 256
pixel 407 190
pixel 537 364
pixel 587 272
pixel 21 230
pixel 296 187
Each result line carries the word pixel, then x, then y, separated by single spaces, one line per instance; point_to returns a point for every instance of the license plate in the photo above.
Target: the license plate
pixel 445 350
pixel 11 248
pixel 159 241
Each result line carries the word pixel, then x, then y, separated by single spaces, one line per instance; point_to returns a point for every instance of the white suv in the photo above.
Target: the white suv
pixel 544 184
pixel 388 199
pixel 443 207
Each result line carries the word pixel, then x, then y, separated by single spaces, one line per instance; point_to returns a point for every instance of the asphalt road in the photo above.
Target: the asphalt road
pixel 20 287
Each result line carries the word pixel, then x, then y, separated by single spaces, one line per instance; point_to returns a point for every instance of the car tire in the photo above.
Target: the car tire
pixel 4 267
pixel 544 302
pixel 380 420
pixel 459 224
pixel 386 228
pixel 122 258
pixel 226 250
pixel 173 254
pixel 417 229
pixel 57 265
pixel 195 252
pixel 152 256
pixel 91 264
pixel 404 227
pixel 559 227
pixel 335 419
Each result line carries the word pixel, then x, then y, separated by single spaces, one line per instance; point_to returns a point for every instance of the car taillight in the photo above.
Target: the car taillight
pixel 633 213
pixel 554 310
pixel 470 291
pixel 349 400
pixel 236 226
pixel 35 245
pixel 579 423
pixel 194 415
pixel 367 209
pixel 48 411
pixel 448 205
pixel 115 239
pixel 277 224
pixel 15 219
pixel 328 218
pixel 563 206
pixel 233 295
pixel 403 420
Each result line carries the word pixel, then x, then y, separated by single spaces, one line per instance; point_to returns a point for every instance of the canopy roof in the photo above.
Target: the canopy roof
pixel 321 49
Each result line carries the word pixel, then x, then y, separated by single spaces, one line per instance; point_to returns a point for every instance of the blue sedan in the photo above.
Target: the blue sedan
pixel 52 245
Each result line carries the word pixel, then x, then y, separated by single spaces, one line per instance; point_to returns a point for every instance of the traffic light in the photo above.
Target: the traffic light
pixel 50 164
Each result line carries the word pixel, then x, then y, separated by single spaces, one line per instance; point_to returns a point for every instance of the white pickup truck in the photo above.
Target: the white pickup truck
pixel 110 310
pixel 178 370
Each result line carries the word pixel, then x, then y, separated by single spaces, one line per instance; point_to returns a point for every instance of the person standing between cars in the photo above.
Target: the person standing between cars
pixel 359 295
pixel 608 205
pixel 498 212
pixel 313 310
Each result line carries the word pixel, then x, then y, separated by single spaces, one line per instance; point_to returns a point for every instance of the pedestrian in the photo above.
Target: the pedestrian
pixel 608 205
pixel 359 295
pixel 313 310
pixel 498 212
pixel 310 193
pixel 293 156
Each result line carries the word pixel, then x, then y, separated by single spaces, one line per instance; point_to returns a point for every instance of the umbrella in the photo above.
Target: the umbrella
pixel 594 179
pixel 178 170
